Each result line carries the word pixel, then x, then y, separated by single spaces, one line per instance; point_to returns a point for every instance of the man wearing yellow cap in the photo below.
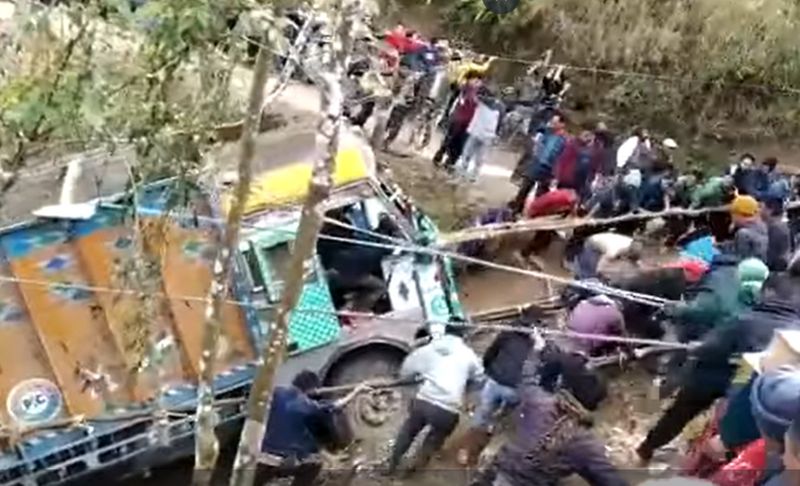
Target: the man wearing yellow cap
pixel 751 237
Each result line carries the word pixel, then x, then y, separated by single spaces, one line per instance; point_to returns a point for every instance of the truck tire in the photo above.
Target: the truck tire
pixel 375 417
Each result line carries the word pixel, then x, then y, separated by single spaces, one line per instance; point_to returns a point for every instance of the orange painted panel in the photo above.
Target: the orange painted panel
pixel 106 255
pixel 22 356
pixel 187 272
pixel 71 327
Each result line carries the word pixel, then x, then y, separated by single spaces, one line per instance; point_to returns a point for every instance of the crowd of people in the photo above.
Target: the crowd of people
pixel 732 292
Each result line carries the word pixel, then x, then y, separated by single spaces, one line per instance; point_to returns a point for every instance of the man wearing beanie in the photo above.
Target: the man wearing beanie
pixel 751 239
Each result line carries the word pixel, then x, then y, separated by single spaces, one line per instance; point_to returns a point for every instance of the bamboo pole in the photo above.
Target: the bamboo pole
pixel 206 442
pixel 558 224
pixel 274 350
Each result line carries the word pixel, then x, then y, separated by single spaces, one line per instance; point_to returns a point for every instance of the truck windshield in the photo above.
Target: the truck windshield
pixel 356 273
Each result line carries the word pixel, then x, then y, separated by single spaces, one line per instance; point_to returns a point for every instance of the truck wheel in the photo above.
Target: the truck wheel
pixel 376 416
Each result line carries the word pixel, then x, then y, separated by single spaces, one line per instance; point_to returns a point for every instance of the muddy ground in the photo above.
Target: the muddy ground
pixel 626 415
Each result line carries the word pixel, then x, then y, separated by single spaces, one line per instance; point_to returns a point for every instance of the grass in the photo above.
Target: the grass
pixel 728 65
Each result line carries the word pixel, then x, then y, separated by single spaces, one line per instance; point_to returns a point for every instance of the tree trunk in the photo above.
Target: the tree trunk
pixel 274 349
pixel 206 443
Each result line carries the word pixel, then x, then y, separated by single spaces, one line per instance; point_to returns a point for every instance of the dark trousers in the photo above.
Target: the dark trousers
pixel 689 403
pixel 629 197
pixel 395 123
pixel 365 111
pixel 423 414
pixel 452 145
pixel 303 473
pixel 455 91
pixel 525 187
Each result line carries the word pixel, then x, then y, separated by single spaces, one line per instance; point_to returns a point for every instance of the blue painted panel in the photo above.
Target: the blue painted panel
pixel 20 244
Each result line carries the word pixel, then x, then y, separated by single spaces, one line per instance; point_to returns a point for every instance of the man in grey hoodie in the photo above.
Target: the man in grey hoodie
pixel 445 366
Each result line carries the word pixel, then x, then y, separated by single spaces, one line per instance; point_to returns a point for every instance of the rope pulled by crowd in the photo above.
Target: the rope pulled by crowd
pixel 556 223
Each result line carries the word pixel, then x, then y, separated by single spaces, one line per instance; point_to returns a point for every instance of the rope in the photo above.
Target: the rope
pixel 596 70
pixel 637 74
pixel 398 244
pixel 370 315
pixel 556 224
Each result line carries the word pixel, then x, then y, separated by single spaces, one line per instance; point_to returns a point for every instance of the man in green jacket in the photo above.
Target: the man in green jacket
pixel 718 299
pixel 699 388
pixel 716 191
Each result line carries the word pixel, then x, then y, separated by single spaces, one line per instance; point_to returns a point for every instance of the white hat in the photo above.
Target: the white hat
pixel 670 143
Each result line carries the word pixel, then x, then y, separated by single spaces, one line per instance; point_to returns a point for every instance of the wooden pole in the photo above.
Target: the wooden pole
pixel 548 223
pixel 274 350
pixel 206 443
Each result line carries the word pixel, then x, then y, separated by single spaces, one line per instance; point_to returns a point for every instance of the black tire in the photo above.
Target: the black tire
pixel 375 417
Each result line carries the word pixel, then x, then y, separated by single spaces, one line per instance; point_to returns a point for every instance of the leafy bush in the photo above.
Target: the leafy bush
pixel 721 65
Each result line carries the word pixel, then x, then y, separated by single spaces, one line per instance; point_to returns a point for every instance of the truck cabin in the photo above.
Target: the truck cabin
pixel 360 268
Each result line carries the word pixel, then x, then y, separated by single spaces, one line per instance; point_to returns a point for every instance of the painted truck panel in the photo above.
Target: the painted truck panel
pixel 108 252
pixel 68 320
pixel 186 271
pixel 21 353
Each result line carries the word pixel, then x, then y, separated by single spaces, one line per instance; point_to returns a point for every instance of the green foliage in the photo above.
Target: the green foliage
pixel 726 64
pixel 98 73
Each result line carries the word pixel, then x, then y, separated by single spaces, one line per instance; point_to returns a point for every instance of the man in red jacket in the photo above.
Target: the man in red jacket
pixel 557 201
pixel 464 109
pixel 574 168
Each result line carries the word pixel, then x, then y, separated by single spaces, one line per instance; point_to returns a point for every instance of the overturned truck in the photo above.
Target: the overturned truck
pixel 79 400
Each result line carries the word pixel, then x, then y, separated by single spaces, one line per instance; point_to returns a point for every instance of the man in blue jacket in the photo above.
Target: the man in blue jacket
pixel 541 160
pixel 290 447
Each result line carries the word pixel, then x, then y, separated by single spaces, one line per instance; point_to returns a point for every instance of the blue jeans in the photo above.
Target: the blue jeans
pixel 472 157
pixel 493 397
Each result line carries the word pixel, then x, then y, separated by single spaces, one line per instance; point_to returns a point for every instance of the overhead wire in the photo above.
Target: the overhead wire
pixel 592 70
pixel 478 325
pixel 398 244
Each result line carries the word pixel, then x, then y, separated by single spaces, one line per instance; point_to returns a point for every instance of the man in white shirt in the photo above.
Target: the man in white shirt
pixel 445 366
pixel 602 249
pixel 482 131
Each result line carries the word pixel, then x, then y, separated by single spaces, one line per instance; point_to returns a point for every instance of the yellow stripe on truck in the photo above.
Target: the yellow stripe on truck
pixel 289 184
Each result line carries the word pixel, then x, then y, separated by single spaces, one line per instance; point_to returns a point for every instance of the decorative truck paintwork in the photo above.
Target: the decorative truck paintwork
pixel 75 400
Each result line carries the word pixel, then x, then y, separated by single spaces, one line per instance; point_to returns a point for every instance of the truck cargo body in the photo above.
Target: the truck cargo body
pixel 79 397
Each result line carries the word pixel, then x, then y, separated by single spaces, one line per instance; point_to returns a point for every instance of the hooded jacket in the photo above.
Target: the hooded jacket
pixel 595 315
pixel 750 332
pixel 522 463
pixel 751 240
pixel 712 193
pixel 716 298
pixel 445 365
pixel 506 356
pixel 775 397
